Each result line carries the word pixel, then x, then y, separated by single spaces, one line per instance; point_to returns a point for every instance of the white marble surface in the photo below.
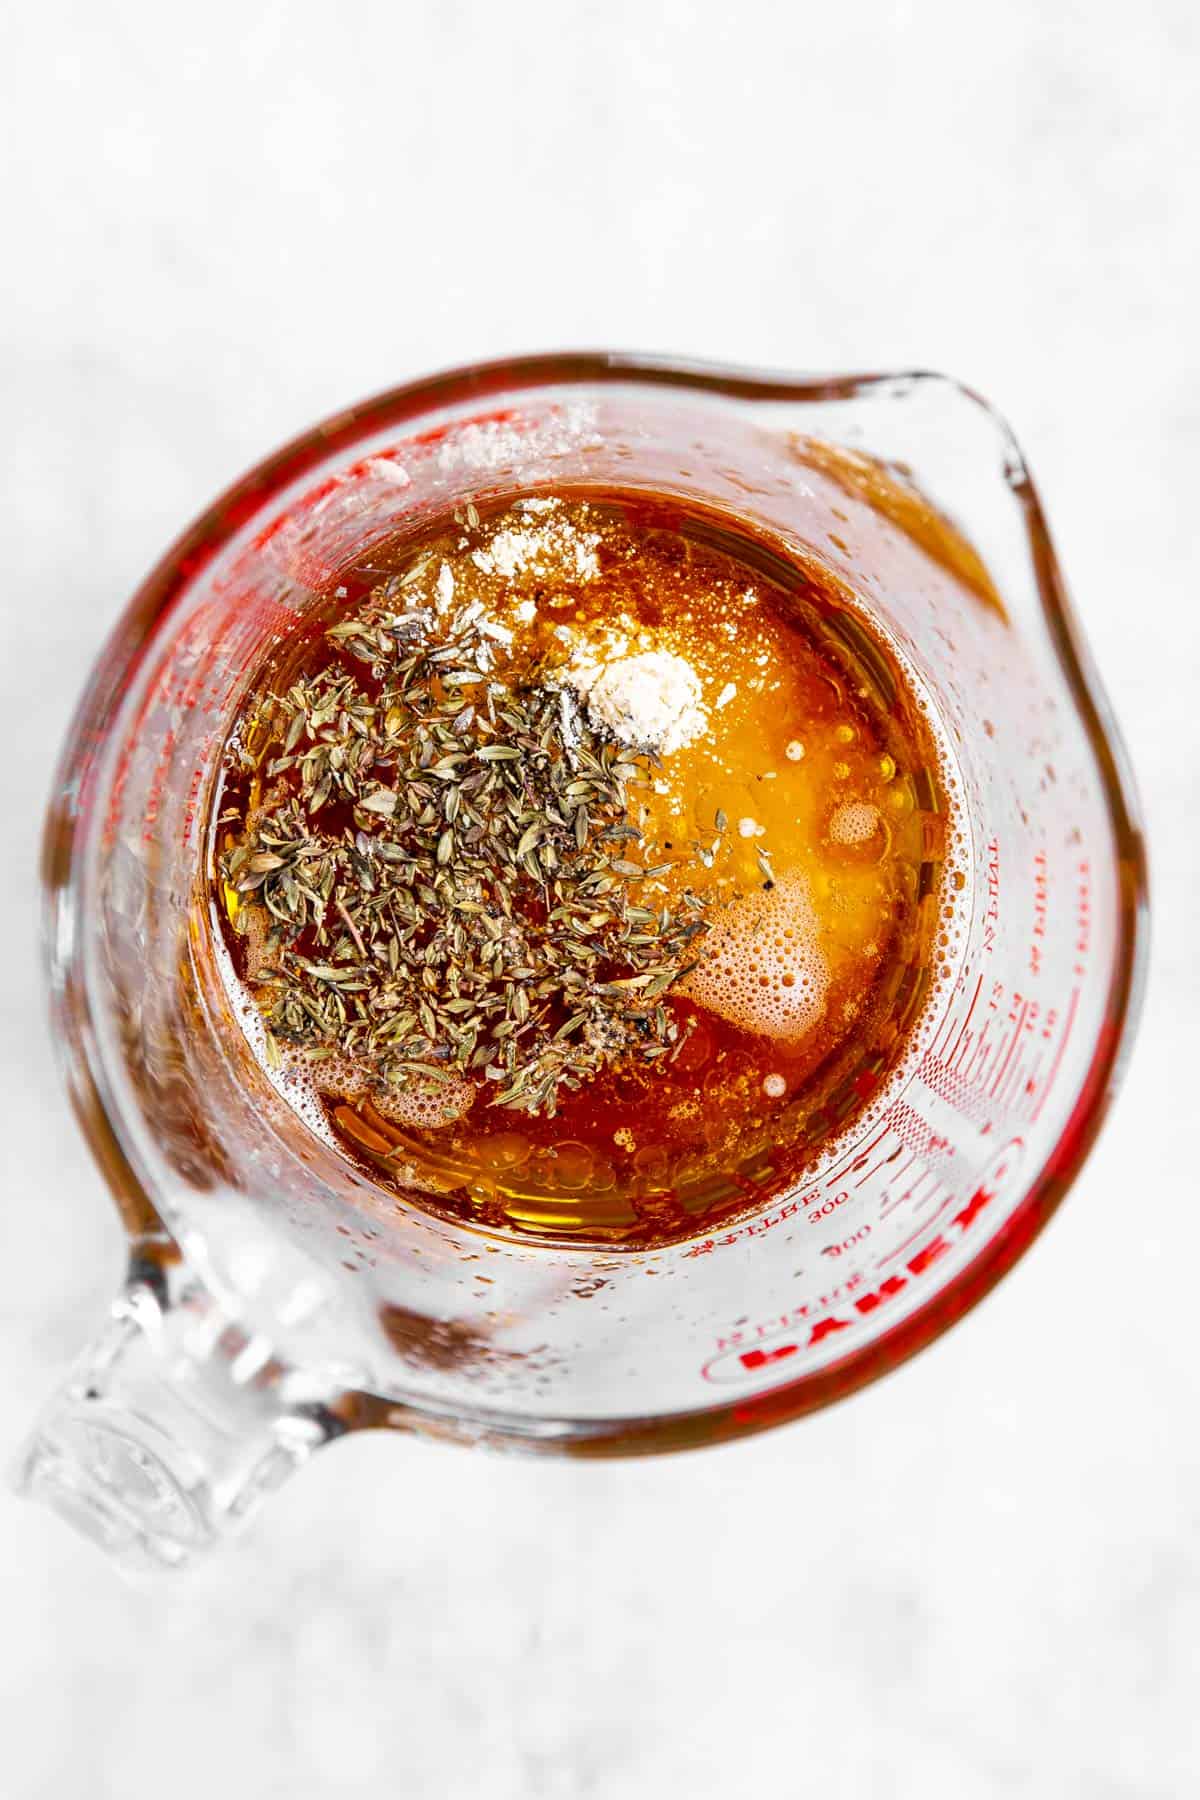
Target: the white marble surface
pixel 981 1578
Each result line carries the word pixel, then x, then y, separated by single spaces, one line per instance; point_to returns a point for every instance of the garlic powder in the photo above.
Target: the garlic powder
pixel 652 698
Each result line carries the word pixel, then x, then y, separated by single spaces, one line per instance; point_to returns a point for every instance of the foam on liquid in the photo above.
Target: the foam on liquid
pixel 761 966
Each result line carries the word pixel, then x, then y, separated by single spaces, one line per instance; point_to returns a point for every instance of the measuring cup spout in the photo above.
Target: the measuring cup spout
pixel 170 1430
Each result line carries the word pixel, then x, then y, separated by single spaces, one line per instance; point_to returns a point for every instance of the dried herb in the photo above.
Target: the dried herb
pixel 447 864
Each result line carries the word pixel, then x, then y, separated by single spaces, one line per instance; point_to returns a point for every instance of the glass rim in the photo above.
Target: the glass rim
pixel 186 558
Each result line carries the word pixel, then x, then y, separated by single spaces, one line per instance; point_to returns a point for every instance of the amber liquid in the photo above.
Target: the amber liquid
pixel 825 886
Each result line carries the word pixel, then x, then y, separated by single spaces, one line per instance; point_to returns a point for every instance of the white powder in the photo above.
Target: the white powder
pixel 651 698
pixel 552 548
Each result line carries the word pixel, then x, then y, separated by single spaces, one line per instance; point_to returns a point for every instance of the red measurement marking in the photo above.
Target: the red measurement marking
pixel 854 1158
pixel 952 1086
pixel 825 1327
pixel 873 1171
pixel 1083 932
pixel 975 1066
pixel 1068 1022
pixel 912 1192
pixel 1019 1081
pixel 975 1205
pixel 922 1228
pixel 1033 1080
pixel 758 1359
pixel 755 1228
pixel 905 1166
pixel 893 1284
pixel 189 817
pixel 991 1181
pixel 1011 1085
pixel 1013 1041
pixel 991 911
pixel 1041 898
pixel 967 1020
pixel 891 1159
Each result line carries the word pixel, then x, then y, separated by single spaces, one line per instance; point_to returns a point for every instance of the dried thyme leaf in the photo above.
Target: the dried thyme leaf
pixel 476 917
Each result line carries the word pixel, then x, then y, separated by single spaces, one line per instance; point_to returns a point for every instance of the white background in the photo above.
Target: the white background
pixel 981 1577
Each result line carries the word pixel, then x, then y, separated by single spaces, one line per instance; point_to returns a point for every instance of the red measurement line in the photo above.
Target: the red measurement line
pixel 1035 1077
pixel 896 1173
pixel 1072 1008
pixel 903 1199
pixel 1012 1086
pixel 852 1156
pixel 922 1228
pixel 1004 1077
pixel 874 1170
pixel 1019 1088
pixel 899 1200
pixel 967 1020
pixel 918 1184
pixel 1012 1045
pixel 974 1065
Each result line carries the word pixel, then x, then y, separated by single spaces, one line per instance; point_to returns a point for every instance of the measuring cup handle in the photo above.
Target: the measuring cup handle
pixel 170 1429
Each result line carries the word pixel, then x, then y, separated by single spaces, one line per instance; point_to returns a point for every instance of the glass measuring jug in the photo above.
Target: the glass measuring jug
pixel 277 1297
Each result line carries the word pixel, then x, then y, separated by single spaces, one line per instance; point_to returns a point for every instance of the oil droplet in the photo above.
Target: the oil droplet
pixel 573 1166
pixel 507 1150
pixel 652 1163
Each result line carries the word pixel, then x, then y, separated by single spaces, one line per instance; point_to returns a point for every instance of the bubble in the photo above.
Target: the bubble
pixel 505 1150
pixel 427 1106
pixel 855 822
pixel 573 1165
pixel 744 975
pixel 420 1105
